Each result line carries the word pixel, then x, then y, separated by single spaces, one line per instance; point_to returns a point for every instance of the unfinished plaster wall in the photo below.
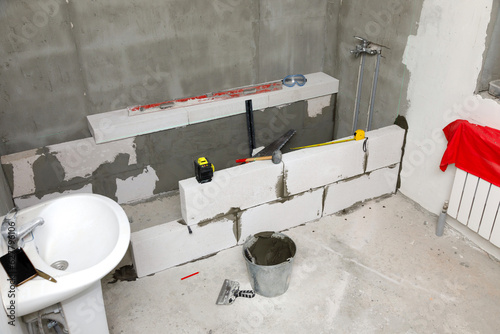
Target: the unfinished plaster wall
pixel 63 60
pixel 491 62
pixel 388 23
pixel 139 167
pixel 5 195
pixel 441 89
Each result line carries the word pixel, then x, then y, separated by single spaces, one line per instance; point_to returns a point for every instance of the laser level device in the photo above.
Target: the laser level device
pixel 203 170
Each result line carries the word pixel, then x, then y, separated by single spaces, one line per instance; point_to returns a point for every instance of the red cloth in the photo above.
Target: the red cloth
pixel 474 149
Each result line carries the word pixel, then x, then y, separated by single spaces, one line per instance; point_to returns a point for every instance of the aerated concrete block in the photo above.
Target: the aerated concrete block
pixel 164 246
pixel 232 188
pixel 281 215
pixel 344 194
pixel 384 147
pixel 204 112
pixel 115 125
pixel 315 167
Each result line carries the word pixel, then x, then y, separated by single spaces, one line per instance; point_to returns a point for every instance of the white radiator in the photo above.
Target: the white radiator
pixel 475 203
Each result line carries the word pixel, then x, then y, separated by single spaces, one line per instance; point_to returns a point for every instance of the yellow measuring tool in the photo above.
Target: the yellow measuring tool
pixel 358 135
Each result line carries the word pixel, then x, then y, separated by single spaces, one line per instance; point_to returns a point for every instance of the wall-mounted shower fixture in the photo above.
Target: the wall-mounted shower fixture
pixel 366 48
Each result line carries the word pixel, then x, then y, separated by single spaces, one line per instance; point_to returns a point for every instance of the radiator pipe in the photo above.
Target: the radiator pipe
pixel 442 220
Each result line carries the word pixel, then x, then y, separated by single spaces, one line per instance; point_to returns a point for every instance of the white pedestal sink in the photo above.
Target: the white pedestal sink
pixel 91 233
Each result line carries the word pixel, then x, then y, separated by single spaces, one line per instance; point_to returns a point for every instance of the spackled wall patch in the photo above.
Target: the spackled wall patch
pixel 137 187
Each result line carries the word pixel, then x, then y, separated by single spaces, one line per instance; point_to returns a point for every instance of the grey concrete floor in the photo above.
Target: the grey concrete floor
pixel 377 268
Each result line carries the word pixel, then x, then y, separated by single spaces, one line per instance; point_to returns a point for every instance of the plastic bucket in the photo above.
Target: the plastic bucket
pixel 269 259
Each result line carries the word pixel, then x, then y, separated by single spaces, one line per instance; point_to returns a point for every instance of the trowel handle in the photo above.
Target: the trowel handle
pixel 246 293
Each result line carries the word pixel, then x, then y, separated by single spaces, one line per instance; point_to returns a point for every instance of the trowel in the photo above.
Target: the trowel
pixel 230 291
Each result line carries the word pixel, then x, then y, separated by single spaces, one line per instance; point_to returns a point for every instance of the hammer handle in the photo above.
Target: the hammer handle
pixel 254 159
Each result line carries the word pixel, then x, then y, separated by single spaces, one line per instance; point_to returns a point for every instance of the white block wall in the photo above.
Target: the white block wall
pixel 117 124
pixel 279 216
pixel 321 181
pixel 318 166
pixel 238 187
pixel 384 147
pixel 115 132
pixel 345 193
pixel 168 245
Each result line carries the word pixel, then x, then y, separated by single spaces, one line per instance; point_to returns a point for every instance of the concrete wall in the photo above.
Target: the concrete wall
pixel 491 64
pixel 138 167
pixel 5 195
pixel 388 23
pixel 63 60
pixel 429 76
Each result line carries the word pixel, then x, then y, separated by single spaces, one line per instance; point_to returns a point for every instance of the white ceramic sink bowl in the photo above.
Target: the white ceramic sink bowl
pixel 91 232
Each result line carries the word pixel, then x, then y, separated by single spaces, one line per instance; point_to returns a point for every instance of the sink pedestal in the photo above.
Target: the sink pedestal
pixel 85 311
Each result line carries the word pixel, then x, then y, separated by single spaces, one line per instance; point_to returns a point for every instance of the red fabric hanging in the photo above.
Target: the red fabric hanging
pixel 474 149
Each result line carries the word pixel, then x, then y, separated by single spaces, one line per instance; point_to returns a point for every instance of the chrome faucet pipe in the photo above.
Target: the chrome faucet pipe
pixel 14 235
pixel 23 230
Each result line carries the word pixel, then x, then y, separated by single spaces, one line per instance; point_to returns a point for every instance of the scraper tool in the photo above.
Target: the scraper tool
pixel 230 291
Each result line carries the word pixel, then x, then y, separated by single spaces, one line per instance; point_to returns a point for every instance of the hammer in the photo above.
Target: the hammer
pixel 276 158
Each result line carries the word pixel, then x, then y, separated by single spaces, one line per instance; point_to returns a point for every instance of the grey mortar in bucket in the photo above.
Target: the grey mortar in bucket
pixel 269 259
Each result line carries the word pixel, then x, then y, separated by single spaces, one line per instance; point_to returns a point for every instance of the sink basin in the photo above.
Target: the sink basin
pixel 85 235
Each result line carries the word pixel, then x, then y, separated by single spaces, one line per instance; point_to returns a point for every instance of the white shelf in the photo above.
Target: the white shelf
pixel 115 125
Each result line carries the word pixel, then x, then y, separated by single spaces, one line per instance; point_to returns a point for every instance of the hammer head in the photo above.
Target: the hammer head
pixel 276 157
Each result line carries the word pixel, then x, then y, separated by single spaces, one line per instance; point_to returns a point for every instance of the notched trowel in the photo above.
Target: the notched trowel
pixel 230 291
